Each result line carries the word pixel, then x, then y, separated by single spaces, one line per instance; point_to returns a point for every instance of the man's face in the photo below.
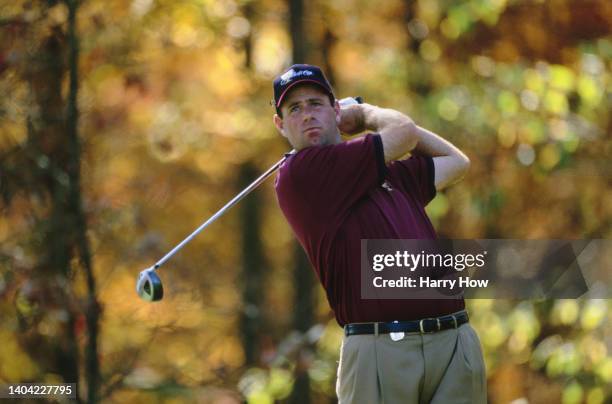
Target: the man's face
pixel 308 117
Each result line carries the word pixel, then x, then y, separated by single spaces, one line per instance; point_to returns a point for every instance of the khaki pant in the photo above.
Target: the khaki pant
pixel 445 367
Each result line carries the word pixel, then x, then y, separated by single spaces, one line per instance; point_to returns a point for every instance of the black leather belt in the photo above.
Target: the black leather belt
pixel 423 326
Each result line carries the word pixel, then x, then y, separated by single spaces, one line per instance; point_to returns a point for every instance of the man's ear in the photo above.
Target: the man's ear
pixel 338 113
pixel 278 122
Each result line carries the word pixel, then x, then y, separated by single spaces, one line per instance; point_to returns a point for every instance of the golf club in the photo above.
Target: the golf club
pixel 149 285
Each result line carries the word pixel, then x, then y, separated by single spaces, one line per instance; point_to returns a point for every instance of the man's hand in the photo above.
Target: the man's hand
pixel 351 120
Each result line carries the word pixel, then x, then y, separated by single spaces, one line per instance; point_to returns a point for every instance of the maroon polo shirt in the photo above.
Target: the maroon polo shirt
pixel 333 196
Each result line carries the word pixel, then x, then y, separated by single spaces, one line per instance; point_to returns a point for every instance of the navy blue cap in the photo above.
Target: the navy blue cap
pixel 297 74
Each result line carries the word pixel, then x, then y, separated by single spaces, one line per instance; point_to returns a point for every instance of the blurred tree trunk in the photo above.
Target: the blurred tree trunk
pixel 249 13
pixel 303 309
pixel 50 278
pixel 253 264
pixel 414 43
pixel 296 31
pixel 422 83
pixel 53 190
pixel 253 261
pixel 303 278
pixel 329 40
pixel 81 243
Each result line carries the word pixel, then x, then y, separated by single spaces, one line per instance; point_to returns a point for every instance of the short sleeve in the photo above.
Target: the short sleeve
pixel 331 178
pixel 416 175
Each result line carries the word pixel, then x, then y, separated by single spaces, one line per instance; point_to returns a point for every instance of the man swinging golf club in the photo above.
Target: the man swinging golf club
pixel 336 193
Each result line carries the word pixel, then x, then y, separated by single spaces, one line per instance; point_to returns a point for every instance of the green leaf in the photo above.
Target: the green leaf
pixel 562 78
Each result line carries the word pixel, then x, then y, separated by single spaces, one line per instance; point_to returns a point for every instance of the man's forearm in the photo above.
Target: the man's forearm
pixel 431 144
pixel 427 143
pixel 378 119
pixel 450 162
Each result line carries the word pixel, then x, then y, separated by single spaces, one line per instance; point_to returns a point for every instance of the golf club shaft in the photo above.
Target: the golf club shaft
pixel 221 211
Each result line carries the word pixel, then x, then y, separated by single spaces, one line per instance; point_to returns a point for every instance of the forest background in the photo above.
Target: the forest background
pixel 124 124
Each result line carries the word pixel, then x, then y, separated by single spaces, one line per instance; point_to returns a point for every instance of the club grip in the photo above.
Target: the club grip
pixel 350 101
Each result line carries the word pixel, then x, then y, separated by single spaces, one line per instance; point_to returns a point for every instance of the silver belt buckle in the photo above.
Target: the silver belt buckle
pixel 438 326
pixel 396 336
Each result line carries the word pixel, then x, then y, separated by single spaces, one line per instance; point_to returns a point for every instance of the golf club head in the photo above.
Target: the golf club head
pixel 149 286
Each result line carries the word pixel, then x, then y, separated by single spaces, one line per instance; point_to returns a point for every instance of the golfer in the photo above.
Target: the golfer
pixel 335 193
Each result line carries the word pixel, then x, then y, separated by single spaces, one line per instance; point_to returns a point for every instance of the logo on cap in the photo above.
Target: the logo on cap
pixel 291 73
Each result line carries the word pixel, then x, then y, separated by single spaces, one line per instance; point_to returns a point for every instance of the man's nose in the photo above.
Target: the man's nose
pixel 307 113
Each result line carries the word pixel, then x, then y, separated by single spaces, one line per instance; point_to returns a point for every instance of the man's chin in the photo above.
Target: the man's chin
pixel 316 138
pixel 317 141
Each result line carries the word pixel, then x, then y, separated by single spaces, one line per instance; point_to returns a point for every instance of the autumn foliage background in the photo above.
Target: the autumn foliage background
pixel 124 124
